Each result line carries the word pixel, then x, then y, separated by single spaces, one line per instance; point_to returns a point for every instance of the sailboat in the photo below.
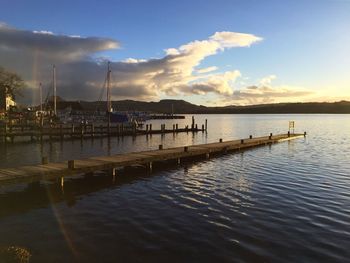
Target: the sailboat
pixel 115 116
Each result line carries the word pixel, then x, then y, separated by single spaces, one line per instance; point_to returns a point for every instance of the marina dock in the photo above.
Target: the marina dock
pixel 48 171
pixel 10 133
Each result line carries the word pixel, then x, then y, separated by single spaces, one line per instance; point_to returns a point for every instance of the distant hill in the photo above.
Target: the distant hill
pixel 182 107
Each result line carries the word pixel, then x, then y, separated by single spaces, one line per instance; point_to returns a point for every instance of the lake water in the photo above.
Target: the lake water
pixel 289 202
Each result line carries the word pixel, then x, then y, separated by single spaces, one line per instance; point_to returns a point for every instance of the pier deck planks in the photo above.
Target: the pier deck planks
pixel 58 170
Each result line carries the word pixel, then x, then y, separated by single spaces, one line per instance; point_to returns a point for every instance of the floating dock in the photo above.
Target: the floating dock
pixel 48 171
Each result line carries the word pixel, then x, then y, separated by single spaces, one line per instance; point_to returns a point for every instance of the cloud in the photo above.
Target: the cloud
pixel 219 83
pixel 231 39
pixel 266 81
pixel 206 70
pixel 49 46
pixel 80 74
pixel 265 94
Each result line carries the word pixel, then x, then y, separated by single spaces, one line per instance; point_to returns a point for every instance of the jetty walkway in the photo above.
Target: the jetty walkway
pixel 48 171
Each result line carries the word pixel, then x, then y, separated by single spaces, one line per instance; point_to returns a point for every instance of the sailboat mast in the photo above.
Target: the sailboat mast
pixel 54 91
pixel 41 97
pixel 109 103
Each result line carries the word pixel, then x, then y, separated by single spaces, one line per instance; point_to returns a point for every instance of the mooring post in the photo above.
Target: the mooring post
pixel 202 127
pixel 62 182
pixel 71 164
pixel 173 127
pixel 92 131
pixel 304 134
pixel 206 124
pixel 135 128
pixel 150 127
pixel 44 160
pixel 146 128
pixel 186 149
pixel 150 166
pixel 177 126
pixel 50 132
pixel 160 147
pixel 192 126
pixel 196 127
pixel 114 174
pixel 242 141
pixel 250 136
pixel 220 140
pixel 81 131
pixel 288 133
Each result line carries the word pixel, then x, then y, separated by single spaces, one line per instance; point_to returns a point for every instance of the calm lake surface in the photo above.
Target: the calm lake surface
pixel 289 202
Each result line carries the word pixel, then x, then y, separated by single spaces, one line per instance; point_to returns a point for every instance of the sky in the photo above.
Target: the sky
pixel 222 52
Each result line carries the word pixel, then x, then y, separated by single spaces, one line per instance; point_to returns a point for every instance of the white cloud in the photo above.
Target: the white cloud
pixel 206 70
pixel 233 39
pixel 266 94
pixel 43 32
pixel 266 81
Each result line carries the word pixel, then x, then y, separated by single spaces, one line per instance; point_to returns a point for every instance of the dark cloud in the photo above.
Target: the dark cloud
pixel 59 47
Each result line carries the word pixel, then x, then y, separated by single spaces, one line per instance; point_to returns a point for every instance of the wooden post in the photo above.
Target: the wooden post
pixel 206 124
pixel 146 128
pixel 288 133
pixel 150 127
pixel 71 164
pixel 196 127
pixel 81 131
pixel 192 125
pixel 134 128
pixel 242 141
pixel 250 136
pixel 304 134
pixel 44 160
pixel 61 132
pixel 160 146
pixel 50 131
pixel 220 140
pixel 173 127
pixel 177 126
pixel 150 166
pixel 186 149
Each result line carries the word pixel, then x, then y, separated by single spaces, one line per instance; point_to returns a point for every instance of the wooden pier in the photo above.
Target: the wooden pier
pixel 74 131
pixel 47 171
